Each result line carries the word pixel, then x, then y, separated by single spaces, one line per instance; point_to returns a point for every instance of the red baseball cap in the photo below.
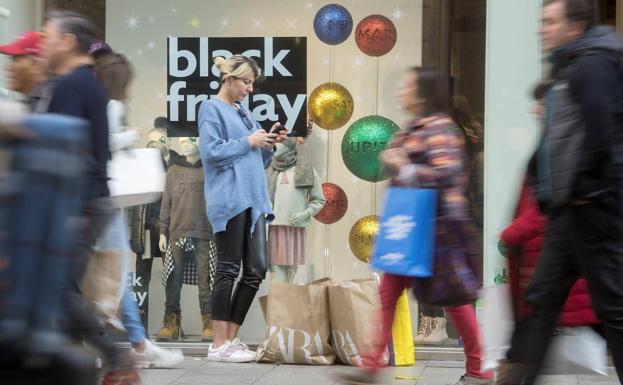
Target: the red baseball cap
pixel 26 44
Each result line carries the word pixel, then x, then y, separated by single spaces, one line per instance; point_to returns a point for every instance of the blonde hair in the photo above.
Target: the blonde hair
pixel 237 66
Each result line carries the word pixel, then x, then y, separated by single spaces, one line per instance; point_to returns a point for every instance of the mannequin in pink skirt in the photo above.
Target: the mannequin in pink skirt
pixel 296 195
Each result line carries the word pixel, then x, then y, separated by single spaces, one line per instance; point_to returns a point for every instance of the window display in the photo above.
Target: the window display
pixel 339 63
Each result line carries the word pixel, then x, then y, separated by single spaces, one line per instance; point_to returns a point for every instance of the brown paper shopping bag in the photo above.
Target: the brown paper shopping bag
pixel 263 305
pixel 354 308
pixel 298 329
pixel 101 285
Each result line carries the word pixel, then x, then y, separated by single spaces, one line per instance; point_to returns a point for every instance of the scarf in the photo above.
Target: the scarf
pixel 294 156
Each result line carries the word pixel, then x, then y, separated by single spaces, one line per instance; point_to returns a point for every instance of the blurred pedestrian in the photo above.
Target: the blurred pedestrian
pixel 430 154
pixel 115 73
pixel 522 241
pixel 67 39
pixel 578 176
pixel 41 175
pixel 26 72
pixel 11 115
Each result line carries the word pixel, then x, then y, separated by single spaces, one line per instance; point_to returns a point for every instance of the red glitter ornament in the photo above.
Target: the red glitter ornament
pixel 335 206
pixel 376 35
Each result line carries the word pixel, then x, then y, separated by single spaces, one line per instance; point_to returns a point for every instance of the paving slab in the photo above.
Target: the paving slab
pixel 195 370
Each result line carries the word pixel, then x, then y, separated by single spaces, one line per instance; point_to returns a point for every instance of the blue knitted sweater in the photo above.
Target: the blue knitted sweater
pixel 235 179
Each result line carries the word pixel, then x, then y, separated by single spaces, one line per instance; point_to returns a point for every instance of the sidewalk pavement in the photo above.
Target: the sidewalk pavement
pixel 196 370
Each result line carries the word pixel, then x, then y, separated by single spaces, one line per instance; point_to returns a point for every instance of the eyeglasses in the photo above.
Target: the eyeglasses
pixel 245 118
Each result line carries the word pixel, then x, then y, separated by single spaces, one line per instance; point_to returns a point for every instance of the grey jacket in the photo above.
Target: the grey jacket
pixel 183 212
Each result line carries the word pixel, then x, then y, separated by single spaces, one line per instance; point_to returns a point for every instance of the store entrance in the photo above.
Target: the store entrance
pixel 610 13
pixel 454 41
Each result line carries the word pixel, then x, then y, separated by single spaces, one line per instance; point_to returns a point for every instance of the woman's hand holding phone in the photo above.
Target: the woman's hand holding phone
pixel 279 132
pixel 261 138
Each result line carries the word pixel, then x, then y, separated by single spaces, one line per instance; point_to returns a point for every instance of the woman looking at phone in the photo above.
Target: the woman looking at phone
pixel 235 150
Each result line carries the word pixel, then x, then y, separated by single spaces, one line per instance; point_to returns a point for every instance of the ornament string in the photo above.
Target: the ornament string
pixel 332 64
pixel 375 98
pixel 375 85
pixel 327 240
pixel 327 234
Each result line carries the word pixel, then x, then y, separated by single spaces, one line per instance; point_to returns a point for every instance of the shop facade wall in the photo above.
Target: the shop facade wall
pixel 513 68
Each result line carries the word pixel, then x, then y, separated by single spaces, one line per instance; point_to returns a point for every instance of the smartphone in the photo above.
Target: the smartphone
pixel 278 129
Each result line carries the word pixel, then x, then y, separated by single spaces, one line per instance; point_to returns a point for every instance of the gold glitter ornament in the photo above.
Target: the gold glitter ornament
pixel 362 237
pixel 330 105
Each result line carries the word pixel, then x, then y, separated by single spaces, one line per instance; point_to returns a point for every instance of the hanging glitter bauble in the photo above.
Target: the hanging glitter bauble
pixel 335 206
pixel 363 142
pixel 375 35
pixel 362 237
pixel 330 105
pixel 333 24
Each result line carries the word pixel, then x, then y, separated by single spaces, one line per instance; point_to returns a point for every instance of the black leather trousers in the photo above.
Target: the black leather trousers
pixel 237 246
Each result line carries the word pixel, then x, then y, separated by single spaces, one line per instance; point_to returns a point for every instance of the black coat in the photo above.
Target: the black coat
pixel 580 155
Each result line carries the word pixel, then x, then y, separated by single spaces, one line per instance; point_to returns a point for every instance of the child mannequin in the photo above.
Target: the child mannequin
pixel 184 227
pixel 296 195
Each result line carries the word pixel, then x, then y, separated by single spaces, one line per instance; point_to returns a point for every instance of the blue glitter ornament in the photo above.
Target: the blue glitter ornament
pixel 333 24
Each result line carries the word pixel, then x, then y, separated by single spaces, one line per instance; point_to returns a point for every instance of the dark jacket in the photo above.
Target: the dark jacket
pixel 81 95
pixel 581 150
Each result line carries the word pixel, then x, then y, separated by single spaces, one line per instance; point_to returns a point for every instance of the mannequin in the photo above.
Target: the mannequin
pixel 157 138
pixel 432 325
pixel 296 195
pixel 147 218
pixel 185 229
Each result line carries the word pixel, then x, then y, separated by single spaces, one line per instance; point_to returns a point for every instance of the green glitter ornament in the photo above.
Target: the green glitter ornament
pixel 363 142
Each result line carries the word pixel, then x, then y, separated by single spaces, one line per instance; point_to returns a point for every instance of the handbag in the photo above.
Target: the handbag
pixel 406 238
pixel 454 281
pixel 136 177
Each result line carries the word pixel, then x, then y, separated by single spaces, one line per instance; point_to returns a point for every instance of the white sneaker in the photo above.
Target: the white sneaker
pixel 242 345
pixel 245 347
pixel 231 352
pixel 156 357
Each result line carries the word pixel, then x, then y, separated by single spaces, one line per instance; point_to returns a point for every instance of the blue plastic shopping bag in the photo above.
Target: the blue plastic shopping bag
pixel 405 244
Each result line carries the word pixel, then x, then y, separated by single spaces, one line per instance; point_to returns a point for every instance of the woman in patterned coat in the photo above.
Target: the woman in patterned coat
pixel 430 153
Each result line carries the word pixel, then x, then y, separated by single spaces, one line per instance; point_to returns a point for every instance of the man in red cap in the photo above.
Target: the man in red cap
pixel 26 73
